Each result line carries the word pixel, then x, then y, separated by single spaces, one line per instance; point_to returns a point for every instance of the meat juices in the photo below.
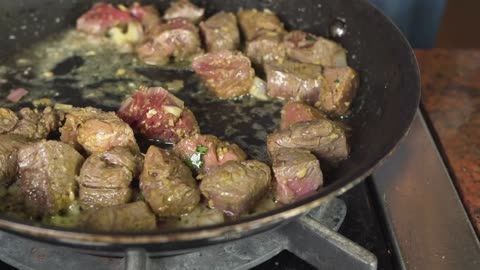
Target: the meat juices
pixel 167 184
pixel 9 145
pixel 36 125
pixel 220 32
pixel 308 48
pixel 184 9
pixel 297 111
pixel 178 39
pixel 217 151
pixel 132 217
pixel 235 186
pixel 297 173
pixel 159 115
pixel 46 173
pixel 8 120
pixel 226 74
pixel 96 131
pixel 325 138
pixel 105 178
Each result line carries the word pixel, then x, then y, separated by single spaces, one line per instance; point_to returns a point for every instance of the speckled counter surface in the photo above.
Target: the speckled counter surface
pixel 451 100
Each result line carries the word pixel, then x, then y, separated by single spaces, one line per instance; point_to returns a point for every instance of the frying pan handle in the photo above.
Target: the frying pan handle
pixel 136 259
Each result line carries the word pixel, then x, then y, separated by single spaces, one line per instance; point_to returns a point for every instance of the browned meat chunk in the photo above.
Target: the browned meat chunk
pixel 221 32
pixel 105 178
pixel 37 125
pixel 46 171
pixel 266 48
pixel 96 131
pixel 148 15
pixel 297 111
pixel 324 138
pixel 132 217
pixel 8 120
pixel 342 87
pixel 159 115
pixel 204 152
pixel 254 23
pixel 101 17
pixel 227 74
pixel 167 184
pixel 292 80
pixel 297 173
pixel 184 9
pixel 236 186
pixel 307 48
pixel 9 145
pixel 177 39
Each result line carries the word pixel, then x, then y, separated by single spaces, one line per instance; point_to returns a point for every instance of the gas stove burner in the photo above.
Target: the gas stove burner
pixel 312 238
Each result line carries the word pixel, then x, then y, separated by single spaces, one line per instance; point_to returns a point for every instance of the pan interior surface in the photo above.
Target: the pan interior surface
pixel 380 117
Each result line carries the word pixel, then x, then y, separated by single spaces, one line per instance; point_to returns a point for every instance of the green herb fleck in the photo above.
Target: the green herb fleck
pixel 337 81
pixel 196 160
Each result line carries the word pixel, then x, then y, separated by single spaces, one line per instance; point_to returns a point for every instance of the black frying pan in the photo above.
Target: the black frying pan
pixel 381 114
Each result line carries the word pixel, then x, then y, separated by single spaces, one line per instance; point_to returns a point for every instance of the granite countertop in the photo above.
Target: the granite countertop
pixel 451 100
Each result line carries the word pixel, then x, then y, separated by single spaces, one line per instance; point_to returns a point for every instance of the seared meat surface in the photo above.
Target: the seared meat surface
pixel 159 115
pixel 220 32
pixel 325 138
pixel 105 178
pixel 297 174
pixel 167 184
pixel 254 23
pixel 46 171
pixel 293 80
pixel 36 125
pixel 9 145
pixel 265 48
pixel 297 111
pixel 8 120
pixel 215 152
pixel 132 217
pixel 177 39
pixel 235 186
pixel 102 17
pixel 147 15
pixel 183 9
pixel 227 74
pixel 342 87
pixel 96 131
pixel 308 48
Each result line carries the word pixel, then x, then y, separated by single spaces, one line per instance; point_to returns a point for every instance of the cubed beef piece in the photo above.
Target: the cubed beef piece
pixel 159 115
pixel 297 111
pixel 46 171
pixel 308 48
pixel 132 217
pixel 337 97
pixel 184 9
pixel 297 173
pixel 96 198
pixel 101 17
pixel 96 131
pixel 105 178
pixel 221 32
pixel 148 15
pixel 8 120
pixel 323 137
pixel 9 145
pixel 177 39
pixel 36 125
pixel 227 74
pixel 167 184
pixel 235 186
pixel 253 23
pixel 204 152
pixel 266 48
pixel 297 81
